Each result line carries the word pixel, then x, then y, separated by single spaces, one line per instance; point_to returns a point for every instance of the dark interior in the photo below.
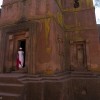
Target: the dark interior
pixel 22 44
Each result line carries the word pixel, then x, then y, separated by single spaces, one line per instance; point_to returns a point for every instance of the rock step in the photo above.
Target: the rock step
pixel 4 84
pixel 10 78
pixel 31 79
pixel 11 88
pixel 28 79
pixel 9 96
pixel 81 73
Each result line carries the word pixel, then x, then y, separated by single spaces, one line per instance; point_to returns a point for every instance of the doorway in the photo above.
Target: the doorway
pixel 22 44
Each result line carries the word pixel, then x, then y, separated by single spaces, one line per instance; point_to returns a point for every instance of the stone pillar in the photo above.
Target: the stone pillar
pixel 49 53
pixel 2 50
pixel 43 50
pixel 32 49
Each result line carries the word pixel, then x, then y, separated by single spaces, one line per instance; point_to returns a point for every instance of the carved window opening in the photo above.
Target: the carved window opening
pixel 24 2
pixel 76 3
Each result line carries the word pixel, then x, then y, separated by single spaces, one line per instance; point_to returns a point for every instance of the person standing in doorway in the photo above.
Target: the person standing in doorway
pixel 20 58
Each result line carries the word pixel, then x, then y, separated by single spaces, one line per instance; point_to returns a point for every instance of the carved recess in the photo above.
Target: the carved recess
pixel 61 53
pixel 78 55
pixel 11 37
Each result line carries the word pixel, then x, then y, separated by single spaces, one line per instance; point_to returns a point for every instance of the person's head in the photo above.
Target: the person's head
pixel 20 49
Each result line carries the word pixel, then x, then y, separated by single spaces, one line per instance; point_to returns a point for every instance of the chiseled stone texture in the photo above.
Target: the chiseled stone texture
pixel 65 89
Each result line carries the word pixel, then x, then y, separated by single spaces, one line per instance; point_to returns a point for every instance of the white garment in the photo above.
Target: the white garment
pixel 21 58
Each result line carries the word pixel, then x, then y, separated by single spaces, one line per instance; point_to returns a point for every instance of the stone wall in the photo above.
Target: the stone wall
pixel 15 10
pixel 80 25
pixel 65 89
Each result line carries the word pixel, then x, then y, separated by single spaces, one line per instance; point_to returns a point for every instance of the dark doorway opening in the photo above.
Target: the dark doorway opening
pixel 22 44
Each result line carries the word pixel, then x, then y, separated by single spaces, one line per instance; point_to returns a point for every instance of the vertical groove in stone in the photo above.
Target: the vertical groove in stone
pixel 6 64
pixel 30 54
pixel 2 49
pixel 33 48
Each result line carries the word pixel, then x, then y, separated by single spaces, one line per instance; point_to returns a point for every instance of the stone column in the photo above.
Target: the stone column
pixel 2 50
pixel 32 49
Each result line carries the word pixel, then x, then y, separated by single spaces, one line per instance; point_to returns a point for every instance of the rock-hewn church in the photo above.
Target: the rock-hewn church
pixel 61 50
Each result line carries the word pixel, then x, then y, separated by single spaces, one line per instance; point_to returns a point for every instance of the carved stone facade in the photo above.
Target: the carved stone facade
pixel 56 36
pixel 61 49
